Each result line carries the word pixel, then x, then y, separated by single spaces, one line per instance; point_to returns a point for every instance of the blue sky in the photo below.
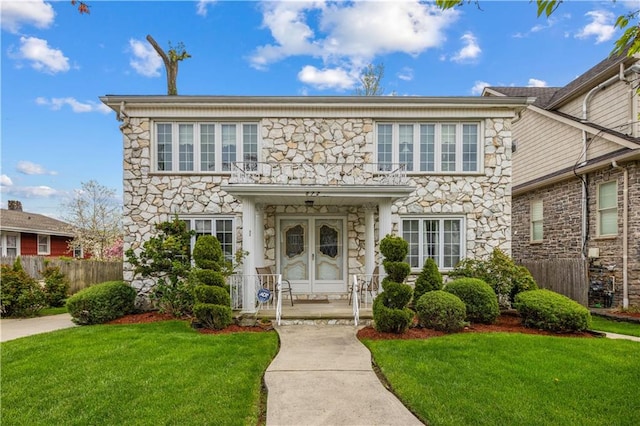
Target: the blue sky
pixel 56 63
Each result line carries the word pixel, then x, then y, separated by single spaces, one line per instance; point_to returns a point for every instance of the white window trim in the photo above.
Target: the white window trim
pixel 463 242
pixel 193 218
pixel 599 210
pixel 3 242
pixel 48 251
pixel 533 220
pixel 175 145
pixel 395 140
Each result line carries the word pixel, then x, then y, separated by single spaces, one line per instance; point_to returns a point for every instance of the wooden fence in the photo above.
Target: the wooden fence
pixel 80 273
pixel 565 276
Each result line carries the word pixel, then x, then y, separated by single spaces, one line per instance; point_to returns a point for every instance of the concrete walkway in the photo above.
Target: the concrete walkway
pixel 619 336
pixel 14 328
pixel 323 376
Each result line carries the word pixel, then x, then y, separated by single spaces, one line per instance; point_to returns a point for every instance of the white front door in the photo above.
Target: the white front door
pixel 312 254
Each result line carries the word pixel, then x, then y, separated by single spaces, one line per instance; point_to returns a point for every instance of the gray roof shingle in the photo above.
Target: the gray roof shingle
pixel 13 220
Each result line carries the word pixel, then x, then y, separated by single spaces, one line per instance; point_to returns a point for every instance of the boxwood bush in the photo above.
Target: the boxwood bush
pixel 101 303
pixel 441 311
pixel 212 294
pixel 215 317
pixel 391 320
pixel 430 279
pixel 479 298
pixel 547 310
pixel 20 294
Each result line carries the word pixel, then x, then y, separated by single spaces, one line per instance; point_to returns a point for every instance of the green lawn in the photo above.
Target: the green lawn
pixel 52 311
pixel 146 374
pixel 619 327
pixel 514 379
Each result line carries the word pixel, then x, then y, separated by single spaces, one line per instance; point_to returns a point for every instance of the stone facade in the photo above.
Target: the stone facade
pixel 562 226
pixel 483 199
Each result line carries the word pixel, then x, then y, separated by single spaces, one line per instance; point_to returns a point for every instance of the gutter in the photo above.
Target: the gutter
pixel 625 233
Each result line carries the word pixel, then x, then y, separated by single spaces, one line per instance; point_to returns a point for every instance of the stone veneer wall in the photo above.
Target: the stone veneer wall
pixel 484 199
pixel 562 226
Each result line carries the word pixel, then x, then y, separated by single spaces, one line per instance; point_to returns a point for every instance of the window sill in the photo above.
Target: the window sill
pixel 605 237
pixel 536 243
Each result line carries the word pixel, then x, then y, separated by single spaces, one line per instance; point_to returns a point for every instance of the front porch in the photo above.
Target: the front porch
pixel 333 311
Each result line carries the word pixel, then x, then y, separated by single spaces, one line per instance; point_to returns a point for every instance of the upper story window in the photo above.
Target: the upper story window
pixel 608 208
pixel 429 147
pixel 205 146
pixel 44 244
pixel 537 219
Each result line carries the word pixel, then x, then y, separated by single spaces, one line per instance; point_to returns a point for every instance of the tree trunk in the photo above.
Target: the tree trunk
pixel 170 67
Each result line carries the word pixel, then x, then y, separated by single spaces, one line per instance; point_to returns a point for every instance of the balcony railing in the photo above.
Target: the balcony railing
pixel 360 174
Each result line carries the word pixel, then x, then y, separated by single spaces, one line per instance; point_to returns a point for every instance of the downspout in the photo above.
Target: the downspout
pixel 583 160
pixel 625 234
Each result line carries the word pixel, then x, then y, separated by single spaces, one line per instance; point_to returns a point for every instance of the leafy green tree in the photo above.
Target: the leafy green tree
pixel 627 22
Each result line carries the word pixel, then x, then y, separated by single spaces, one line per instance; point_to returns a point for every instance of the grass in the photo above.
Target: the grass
pixel 52 311
pixel 611 326
pixel 514 379
pixel 144 374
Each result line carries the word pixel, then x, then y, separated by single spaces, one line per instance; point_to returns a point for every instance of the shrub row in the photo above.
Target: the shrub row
pixel 547 310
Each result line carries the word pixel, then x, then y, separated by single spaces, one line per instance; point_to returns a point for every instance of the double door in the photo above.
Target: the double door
pixel 311 253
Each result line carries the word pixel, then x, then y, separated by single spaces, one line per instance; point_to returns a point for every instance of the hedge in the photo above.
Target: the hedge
pixel 101 303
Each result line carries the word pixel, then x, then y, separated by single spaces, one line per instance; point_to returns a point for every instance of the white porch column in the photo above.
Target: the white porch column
pixel 384 218
pixel 258 243
pixel 369 240
pixel 248 244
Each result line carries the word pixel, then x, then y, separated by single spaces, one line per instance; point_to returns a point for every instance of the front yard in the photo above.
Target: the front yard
pixel 145 374
pixel 514 379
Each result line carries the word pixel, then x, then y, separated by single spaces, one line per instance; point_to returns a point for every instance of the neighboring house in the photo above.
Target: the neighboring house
pixel 576 174
pixel 30 234
pixel 309 185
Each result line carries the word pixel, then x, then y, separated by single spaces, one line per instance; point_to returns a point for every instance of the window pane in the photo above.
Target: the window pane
pixel 207 147
pixel 537 215
pixel 43 244
pixel 448 143
pixel 607 197
pixel 224 234
pixel 203 227
pixel 229 146
pixel 406 146
pixel 427 147
pixel 609 222
pixel 185 147
pixel 451 247
pixel 411 234
pixel 431 241
pixel 469 147
pixel 163 135
pixel 536 231
pixel 250 146
pixel 385 147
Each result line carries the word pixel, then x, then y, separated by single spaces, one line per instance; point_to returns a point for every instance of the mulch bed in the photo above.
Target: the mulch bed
pixel 505 323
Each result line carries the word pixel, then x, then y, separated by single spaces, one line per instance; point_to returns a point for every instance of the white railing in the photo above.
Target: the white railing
pixel 329 174
pixel 355 300
pixel 279 301
pixel 238 284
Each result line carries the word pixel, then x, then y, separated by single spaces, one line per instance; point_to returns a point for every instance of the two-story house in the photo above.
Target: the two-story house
pixel 576 176
pixel 309 185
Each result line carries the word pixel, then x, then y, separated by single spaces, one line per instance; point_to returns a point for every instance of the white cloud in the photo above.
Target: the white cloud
pixel 328 78
pixel 32 191
pixel 146 60
pixel 29 168
pixel 478 87
pixel 42 57
pixel 348 35
pixel 601 26
pixel 15 14
pixel 201 7
pixel 470 51
pixel 534 82
pixel 5 180
pixel 56 104
pixel 405 74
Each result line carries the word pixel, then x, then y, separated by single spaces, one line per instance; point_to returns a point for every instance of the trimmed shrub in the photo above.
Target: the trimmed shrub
pixel 441 311
pixel 479 298
pixel 430 279
pixel 173 298
pixel 212 316
pixel 212 294
pixel 394 248
pixel 207 253
pixel 20 295
pixel 522 281
pixel 396 271
pixel 56 285
pixel 395 295
pixel 547 310
pixel 391 320
pixel 208 277
pixel 101 303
